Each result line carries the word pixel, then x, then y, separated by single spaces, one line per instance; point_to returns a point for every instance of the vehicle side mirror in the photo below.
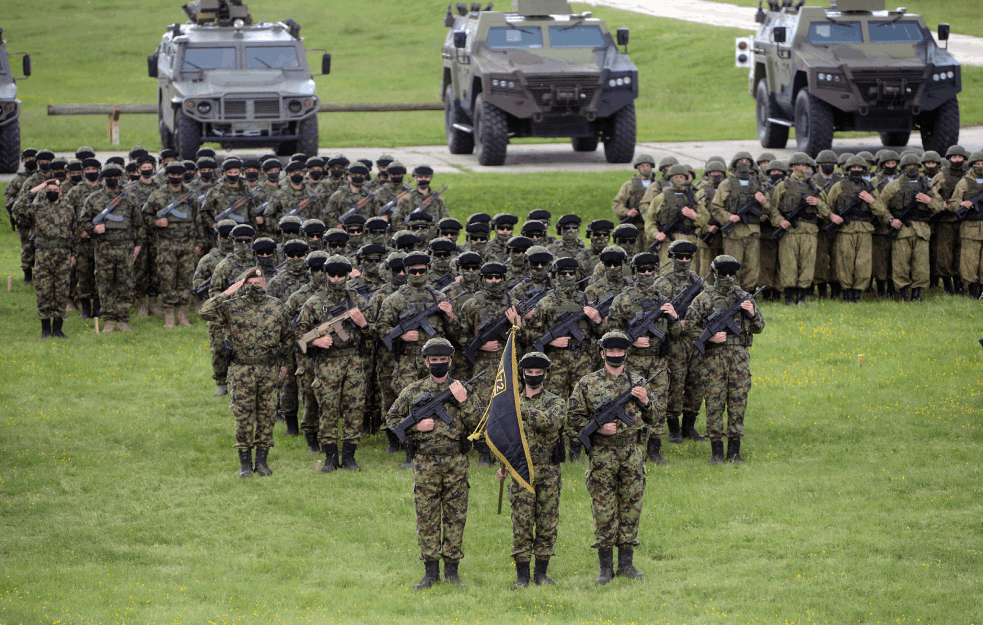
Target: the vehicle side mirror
pixel 460 39
pixel 943 32
pixel 27 64
pixel 779 34
pixel 326 64
pixel 622 36
pixel 152 65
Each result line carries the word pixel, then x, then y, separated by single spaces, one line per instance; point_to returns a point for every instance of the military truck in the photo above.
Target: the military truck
pixel 853 66
pixel 537 71
pixel 10 109
pixel 223 79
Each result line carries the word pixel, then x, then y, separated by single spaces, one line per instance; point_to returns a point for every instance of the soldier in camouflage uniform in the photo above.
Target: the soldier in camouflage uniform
pixel 440 470
pixel 178 240
pixel 422 225
pixel 627 203
pixel 25 195
pixel 17 182
pixel 623 236
pixel 203 273
pixel 313 230
pixel 146 282
pixel 420 197
pixel 612 281
pixel 337 166
pixel 381 176
pixel 714 173
pixel 52 221
pixel 377 232
pixel 167 156
pixel 732 194
pixel 945 233
pixel 335 241
pixel 340 364
pixel 264 248
pixel 85 278
pixel 727 362
pixel 441 272
pixel 535 231
pixel 117 242
pixel 504 225
pixel 393 190
pixel 394 276
pixel 824 274
pixel 971 228
pixel 368 261
pixel 468 266
pixel 260 335
pixel 354 225
pixel 268 184
pixel 616 467
pixel 570 243
pixel 292 194
pixel 887 162
pixel 476 238
pixel 646 354
pixel 769 275
pixel 450 229
pixel 536 515
pixel 350 195
pixel 237 262
pixel 599 233
pixel 516 265
pixel 909 252
pixel 677 200
pixel 229 191
pixel 539 260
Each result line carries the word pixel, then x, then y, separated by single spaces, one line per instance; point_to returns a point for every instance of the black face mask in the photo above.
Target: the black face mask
pixel 252 176
pixel 316 174
pixel 534 381
pixel 44 166
pixel 716 179
pixel 439 369
pixel 931 171
pixel 133 177
pixel 337 173
pixel 75 178
pixel 61 174
pixel 146 173
pixel 274 178
pixel 357 181
pixel 615 361
pixel 856 176
pixel 112 183
pixel 776 178
pixel 828 168
pixel 231 179
pixel 91 176
pixel 206 176
pixel 396 180
pixel 188 177
pixel 296 178
pixel 890 171
pixel 175 181
pixel 911 172
pixel 423 184
pixel 52 195
pixel 30 165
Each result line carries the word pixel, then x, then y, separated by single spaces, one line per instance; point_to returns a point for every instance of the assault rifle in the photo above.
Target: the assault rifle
pixel 359 205
pixel 428 406
pixel 610 409
pixel 798 213
pixel 498 327
pixel 567 323
pixel 409 321
pixel 962 212
pixel 366 290
pixel 229 213
pixel 682 301
pixel 444 281
pixel 333 323
pixel 708 237
pixel 10 213
pixel 107 213
pixel 751 207
pixel 201 198
pixel 201 291
pixel 424 204
pixel 722 320
pixel 632 220
pixel 171 209
pixel 670 228
pixel 643 324
pixel 390 206
pixel 304 203
pixel 851 212
pixel 905 214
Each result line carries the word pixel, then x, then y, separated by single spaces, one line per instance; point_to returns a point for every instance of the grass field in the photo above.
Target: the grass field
pixel 689 87
pixel 859 502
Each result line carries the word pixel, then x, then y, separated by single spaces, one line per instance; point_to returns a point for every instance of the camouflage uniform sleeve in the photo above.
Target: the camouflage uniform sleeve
pixel 139 224
pixel 578 408
pixel 717 210
pixel 958 194
pixel 471 410
pixel 777 194
pixel 619 203
pixel 884 199
pixel 696 316
pixel 307 319
pixel 937 204
pixel 650 214
pixel 214 309
pixel 555 411
pixel 400 408
pixel 618 316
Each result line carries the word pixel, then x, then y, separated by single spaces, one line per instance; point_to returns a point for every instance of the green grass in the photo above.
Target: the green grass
pixel 690 89
pixel 859 502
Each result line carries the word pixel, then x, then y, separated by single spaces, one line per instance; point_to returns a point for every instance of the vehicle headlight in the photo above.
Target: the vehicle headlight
pixel 511 84
pixel 627 80
pixel 294 106
pixel 494 82
pixel 611 83
pixel 935 77
pixel 204 108
pixel 950 75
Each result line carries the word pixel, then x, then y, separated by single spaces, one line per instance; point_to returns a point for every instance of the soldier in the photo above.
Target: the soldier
pixel 394 274
pixel 539 260
pixel 406 241
pixel 887 161
pixel 421 198
pixel 909 252
pixel 824 272
pixel 337 166
pixel 646 353
pixel 616 467
pixel 440 472
pixel 421 224
pixel 776 171
pixel 945 234
pixel 315 173
pixel 515 263
pixel 394 190
pixel 335 241
pixel 132 171
pixel 612 278
pixel 260 336
pixel 677 201
pixel 623 236
pixel 291 197
pixel 627 203
pixel 28 190
pixel 264 250
pixel 468 267
pixel 441 271
pixel 228 192
pixel 314 229
pixel 715 172
pixel 289 229
pixel 450 228
pixel 763 161
pixel 536 516
pixel 145 279
pixel 599 233
pixel 167 156
pixel 203 273
pixel 340 374
pixel 377 231
pixel 350 196
pixel 266 189
pixel 310 420
pixel 17 182
pixel 733 194
pixel 727 362
pixel 570 244
pixel 535 231
pixel 476 238
pixel 53 224
pixel 381 176
pixel 354 226
pixel 544 217
pixel 504 225
pixel 84 265
pixel 369 260
pixel 178 240
pixel 971 228
pixel 236 263
pixel 117 243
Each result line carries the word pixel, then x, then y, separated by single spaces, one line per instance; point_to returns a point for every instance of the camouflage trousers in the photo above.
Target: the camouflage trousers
pixel 880 257
pixel 175 265
pixel 944 249
pixel 145 278
pixel 567 369
pixel 114 279
pixel 536 516
pixel 728 382
pixel 220 371
pixel 339 386
pixel 26 252
pixel 85 270
pixel 440 493
pixel 824 260
pixel 971 260
pixel 51 280
pixel 372 417
pixel 616 483
pixel 797 257
pixel 385 363
pixel 768 256
pixel 645 362
pixel 706 253
pixel 910 262
pixel 310 421
pixel 747 251
pixel 288 392
pixel 853 259
pixel 686 381
pixel 254 391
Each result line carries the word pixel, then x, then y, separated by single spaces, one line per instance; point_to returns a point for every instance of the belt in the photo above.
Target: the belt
pixel 337 352
pixel 257 360
pixel 115 235
pixel 619 440
pixel 51 244
pixel 744 339
pixel 450 449
pixel 684 230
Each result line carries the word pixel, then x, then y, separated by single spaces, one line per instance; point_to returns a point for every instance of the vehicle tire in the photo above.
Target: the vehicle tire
pixel 10 147
pixel 773 136
pixel 584 144
pixel 166 136
pixel 895 139
pixel 944 131
pixel 813 124
pixel 491 132
pixel 458 141
pixel 619 143
pixel 308 141
pixel 287 148
pixel 188 136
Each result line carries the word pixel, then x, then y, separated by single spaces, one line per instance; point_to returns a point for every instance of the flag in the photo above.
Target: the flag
pixel 503 419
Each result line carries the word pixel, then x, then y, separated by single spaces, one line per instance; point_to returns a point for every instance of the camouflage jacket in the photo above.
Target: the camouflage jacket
pixel 899 193
pixel 53 224
pixel 315 311
pixel 514 273
pixel 630 196
pixel 437 208
pixel 842 194
pixel 522 290
pixel 710 300
pixel 666 206
pixel 788 195
pixel 288 198
pixel 375 307
pixel 222 196
pixel 597 291
pixel 561 249
pixel 545 315
pixel 256 330
pixel 634 300
pixel 588 259
pixel 496 250
pixel 731 195
pixel 544 418
pixel 390 193
pixel 670 284
pixel 75 198
pixel 474 312
pixel 130 232
pixel 409 299
pixel 971 227
pixel 464 417
pixel 342 200
pixel 25 196
pixel 14 187
pixel 206 266
pixel 228 270
pixel 594 388
pixel 187 230
pixel 140 192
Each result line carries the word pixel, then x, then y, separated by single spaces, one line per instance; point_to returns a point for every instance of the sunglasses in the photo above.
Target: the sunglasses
pixel 504 227
pixel 493 277
pixel 470 268
pixel 337 274
pixel 612 263
pixel 371 260
pixel 567 274
pixel 419 227
pixel 646 269
pixel 243 240
pixel 684 256
pixel 296 254
pixel 376 231
pixel 264 254
pixel 479 239
pixel 441 254
pixel 419 271
pixel 353 230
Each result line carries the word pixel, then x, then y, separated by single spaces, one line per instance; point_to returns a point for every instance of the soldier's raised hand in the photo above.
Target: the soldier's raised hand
pixel 458 391
pixel 357 317
pixel 446 308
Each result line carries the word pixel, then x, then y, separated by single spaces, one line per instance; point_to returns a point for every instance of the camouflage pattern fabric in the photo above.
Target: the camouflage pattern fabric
pixel 146 279
pixel 175 243
pixel 437 208
pixel 970 233
pixel 53 225
pixel 853 245
pixel 742 242
pixel 686 382
pixel 910 259
pixel 409 358
pixel 114 251
pixel 576 360
pixel 342 200
pixel 23 199
pixel 223 195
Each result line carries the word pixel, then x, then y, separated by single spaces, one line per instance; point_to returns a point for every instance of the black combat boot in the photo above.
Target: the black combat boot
pixel 689 427
pixel 789 296
pixel 835 290
pixel 673 424
pixel 45 328
pixel 56 328
pixel 916 294
pixel 245 463
pixel 606 572
pixel 292 428
pixel 881 289
pixel 312 446
pixel 957 285
pixel 734 450
pixel 484 455
pixel 575 447
pixel 450 573
pixel 348 456
pixel 261 467
pixel 521 574
pixel 973 290
pixel 716 452
pixel 947 285
pixel 539 575
pixel 625 566
pixel 96 307
pixel 330 457
pixel 800 296
pixel 654 447
pixel 904 294
pixel 822 290
pixel 431 576
pixel 393 442
pixel 29 275
pixel 85 306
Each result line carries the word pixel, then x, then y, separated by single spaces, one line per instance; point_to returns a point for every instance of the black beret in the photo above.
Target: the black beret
pixel 271 163
pixel 314 161
pixel 336 235
pixel 377 223
pixel 111 170
pixel 406 240
pixel 292 247
pixel 311 227
pixel 421 216
pixel 615 340
pixel 568 219
pixel 442 245
pixel 449 223
pixel 48 155
pixel 625 231
pixel 726 267
pixel 469 258
pixel 84 152
pixel 225 229
pixel 416 258
pixel 537 256
pixel 505 218
pixel 395 170
pixel 264 245
pixel 174 168
pixel 74 165
pixel 354 219
pixel 293 166
pixel 338 161
pixel 206 162
pixel 243 230
pixel 338 264
pixel 540 213
pixel 231 163
pixel 423 170
pixel 613 255
pixel 365 161
pixel 477 227
pixel 131 166
pixel 147 158
pixel 358 168
pixel 316 260
pixel 645 258
pixel 600 224
pixel 289 224
pixel 565 263
pixel 479 217
pixel 493 268
pixel 204 153
pixel 91 162
pixel 684 247
pixel 137 152
pixel 533 226
pixel 112 159
pixel 519 243
pixel 28 153
pixel 384 160
pixel 372 249
pixel 534 360
pixel 169 153
pixel 251 163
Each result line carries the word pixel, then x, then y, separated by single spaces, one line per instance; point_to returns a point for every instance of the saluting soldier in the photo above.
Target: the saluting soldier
pixel 236 263
pixel 26 194
pixel 53 223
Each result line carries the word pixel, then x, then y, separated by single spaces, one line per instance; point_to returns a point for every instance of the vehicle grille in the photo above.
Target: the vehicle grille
pixel 235 109
pixel 563 90
pixel 888 85
pixel 267 109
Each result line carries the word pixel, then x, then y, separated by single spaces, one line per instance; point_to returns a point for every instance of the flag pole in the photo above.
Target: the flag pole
pixel 501 489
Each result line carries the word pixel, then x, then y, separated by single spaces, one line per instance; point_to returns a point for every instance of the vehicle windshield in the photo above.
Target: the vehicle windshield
pixel 576 37
pixel 272 57
pixel 825 33
pixel 515 37
pixel 898 32
pixel 209 58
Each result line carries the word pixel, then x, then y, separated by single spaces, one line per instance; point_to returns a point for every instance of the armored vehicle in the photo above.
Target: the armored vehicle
pixel 10 109
pixel 853 66
pixel 221 78
pixel 537 71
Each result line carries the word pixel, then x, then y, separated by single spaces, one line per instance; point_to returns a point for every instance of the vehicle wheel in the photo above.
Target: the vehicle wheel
pixel 166 136
pixel 10 147
pixel 770 135
pixel 188 135
pixel 287 148
pixel 813 124
pixel 491 132
pixel 308 141
pixel 619 143
pixel 458 141
pixel 584 144
pixel 944 128
pixel 893 139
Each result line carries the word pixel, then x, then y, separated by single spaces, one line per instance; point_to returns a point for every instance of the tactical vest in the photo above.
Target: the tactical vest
pixel 823 183
pixel 741 195
pixel 720 302
pixel 796 191
pixel 574 305
pixel 948 184
pixel 640 302
pixel 907 190
pixel 53 224
pixel 849 190
pixel 488 309
pixel 972 188
pixel 636 191
pixel 673 203
pixel 122 210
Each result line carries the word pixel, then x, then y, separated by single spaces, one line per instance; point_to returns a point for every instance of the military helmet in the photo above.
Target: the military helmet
pixel 681 246
pixel 29 153
pixel 740 156
pixel 449 223
pixel 715 165
pixel 59 163
pixel 44 155
pixel 931 156
pixel 416 258
pixel 494 268
pixel 85 152
pixel 826 156
pixel 313 227
pixel 377 223
pixel 438 346
pixel 778 164
pixel 118 160
pixel 396 168
pixel 174 168
pixel 504 219
pixel 974 157
pixel 800 158
pixel 137 151
pixel 856 161
pixel 600 225
pixel 206 162
pixel 614 340
pixel 371 249
pixel 314 161
pixel 293 166
pixel 296 246
pixel 530 227
pixel 538 254
pixel 164 154
pixel 479 218
pixel 354 220
pixel 719 159
pixel 423 170
pixel 568 220
pixel 243 230
pixel 843 158
pixel 676 170
pixel 725 264
pixel 764 157
pixel 231 163
pixel 395 259
pixel 384 160
pixel 441 244
pixel 956 150
pixel 613 253
pixel 225 227
pixel 624 231
pixel 476 227
pixel 888 155
pixel 251 163
pixel 335 235
pixel 867 156
pixel 667 162
pixel 564 263
pixel 270 163
pixel 358 169
pixel 535 360
pixel 111 170
pixel 910 159
pixel 204 153
pixel 472 259
pixel 91 162
pixel 540 214
pixel 643 158
pixel 518 242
